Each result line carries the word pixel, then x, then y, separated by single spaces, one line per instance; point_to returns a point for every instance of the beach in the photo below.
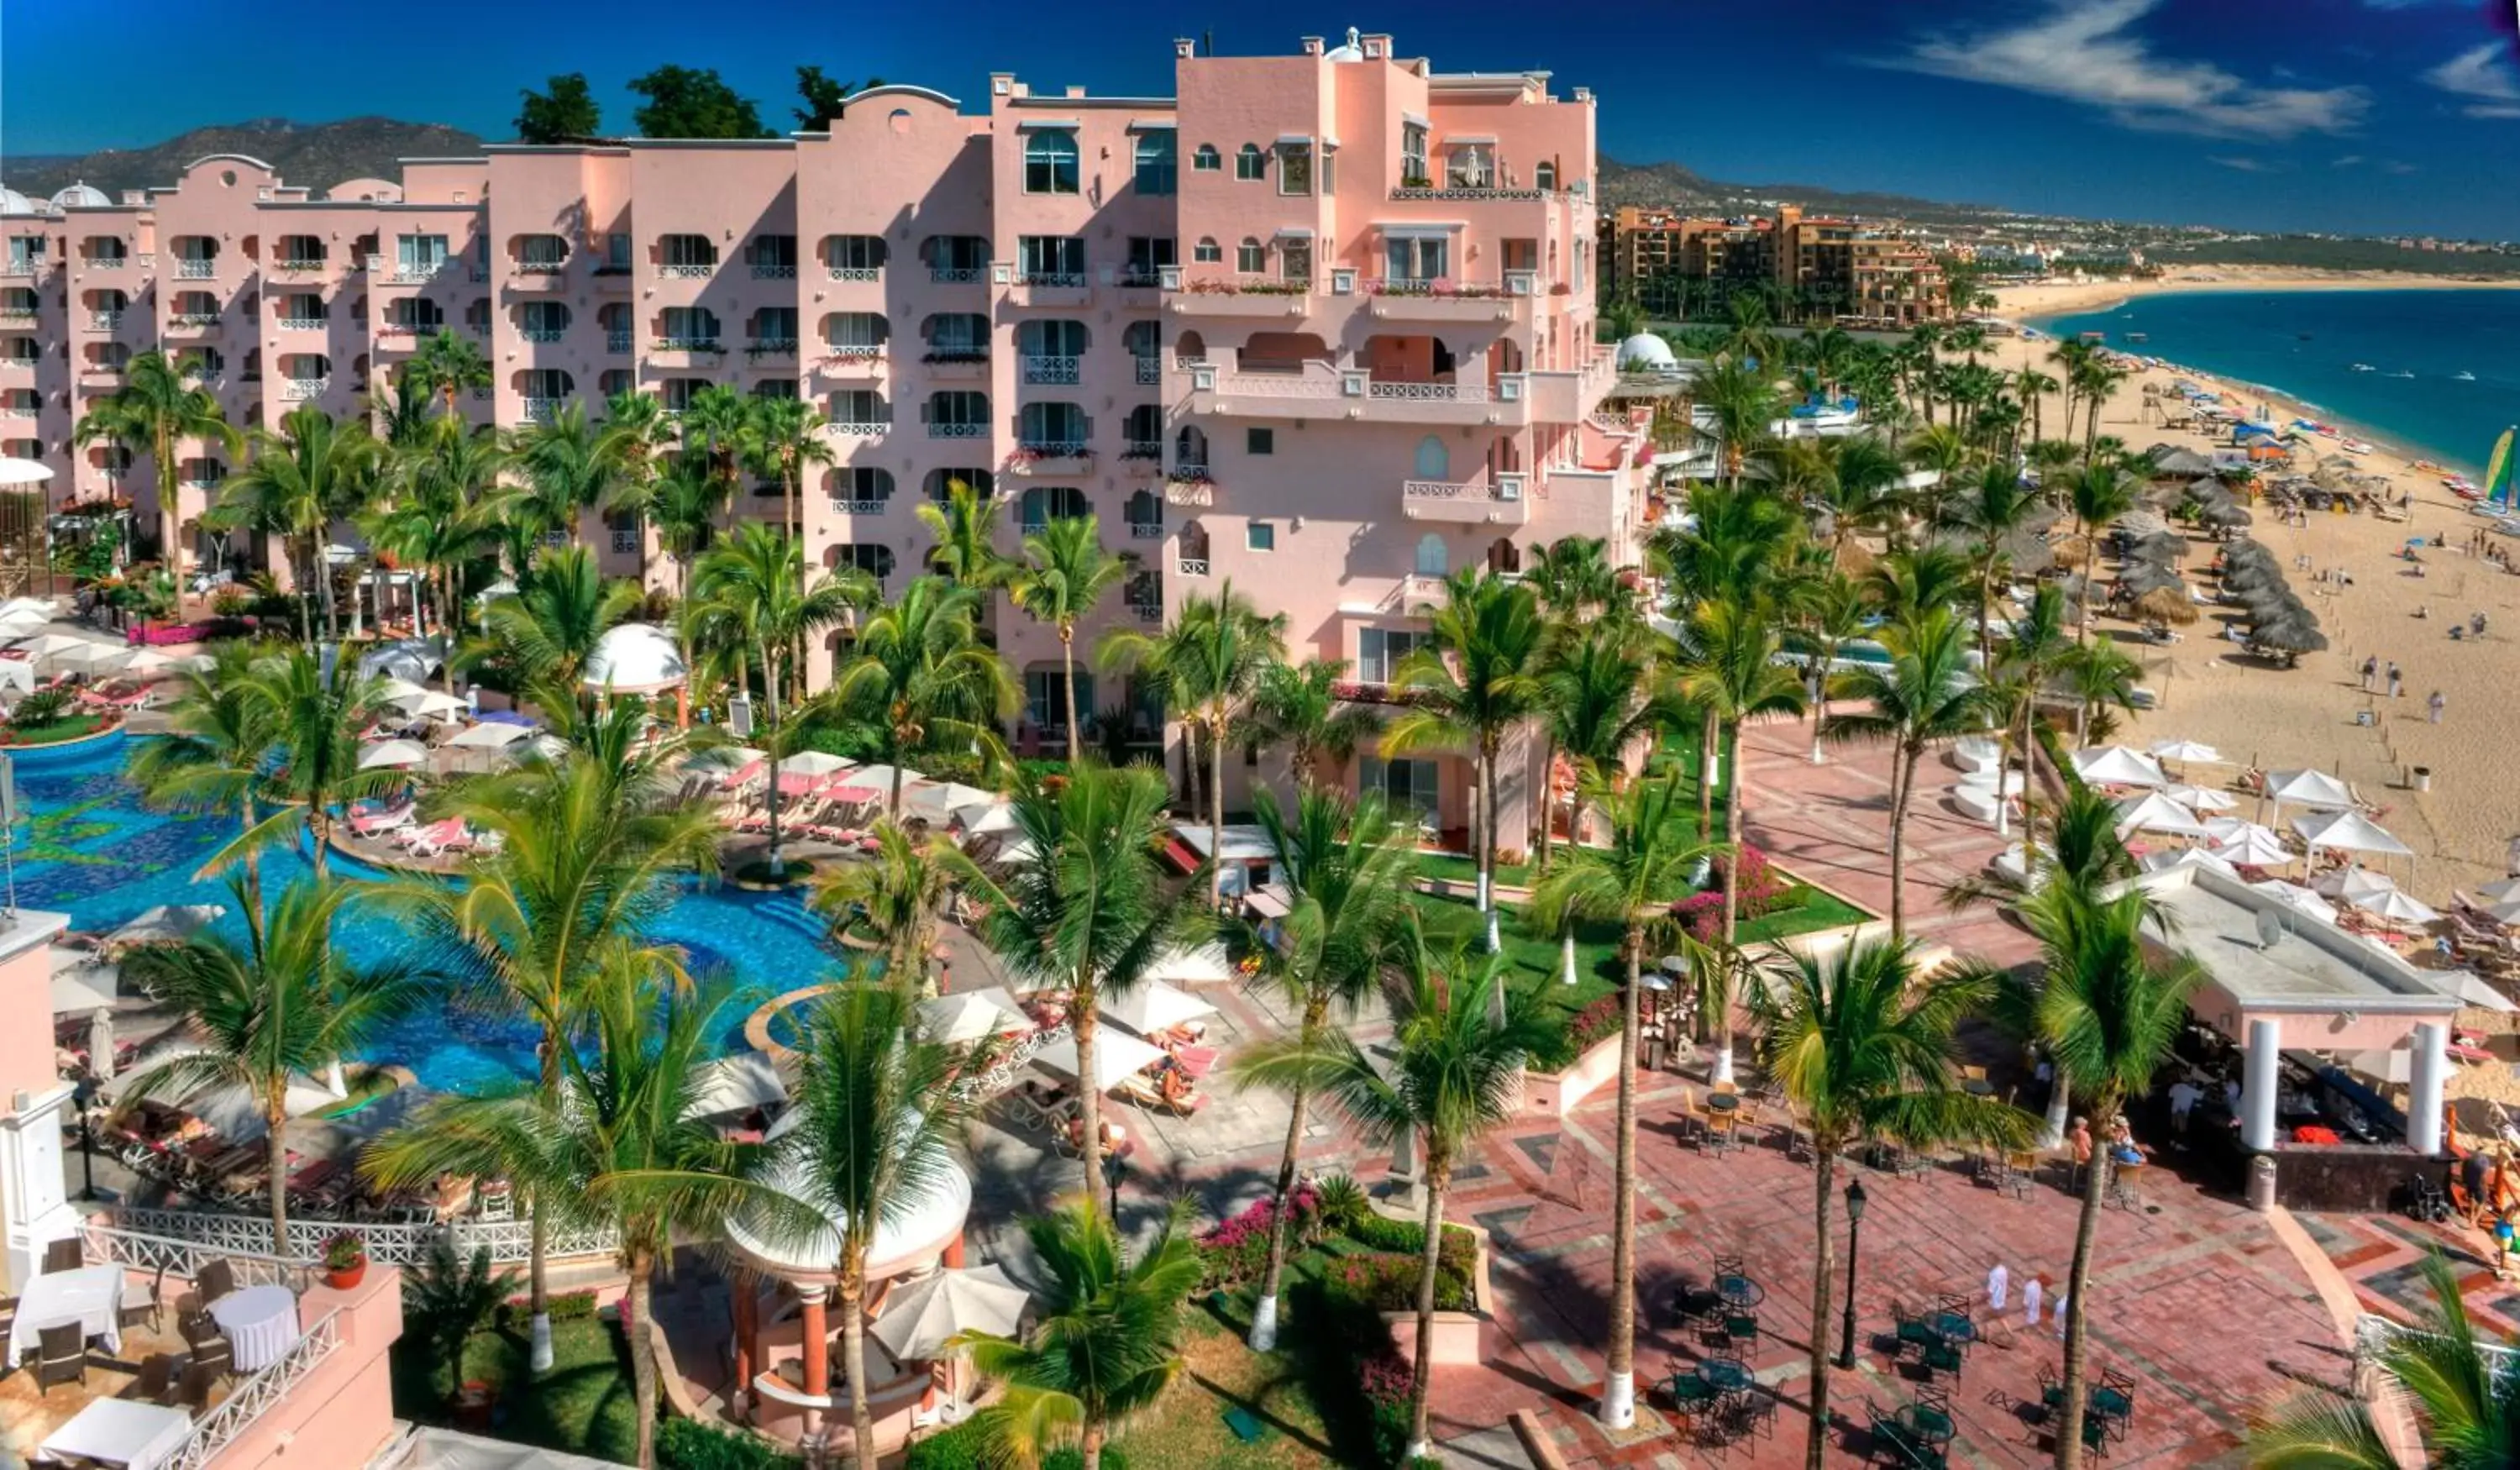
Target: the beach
pixel 2273 719
pixel 2056 297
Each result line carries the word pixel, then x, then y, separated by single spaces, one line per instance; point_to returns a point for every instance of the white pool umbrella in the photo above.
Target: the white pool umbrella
pixel 1154 1006
pixel 144 661
pixel 2506 912
pixel 431 704
pixel 168 922
pixel 971 1014
pixel 2189 856
pixel 52 644
pixel 879 779
pixel 811 763
pixel 2308 788
pixel 490 735
pixel 1116 1055
pixel 21 622
pixel 2348 833
pixel 394 690
pixel 2398 906
pixel 2194 753
pixel 15 470
pixel 2300 900
pixel 923 1320
pixel 394 755
pixel 2504 891
pixel 2471 990
pixel 2354 884
pixel 2397 1065
pixel 939 800
pixel 36 606
pixel 2118 766
pixel 993 817
pixel 2255 846
pixel 96 658
pixel 82 982
pixel 2155 812
pixel 2203 799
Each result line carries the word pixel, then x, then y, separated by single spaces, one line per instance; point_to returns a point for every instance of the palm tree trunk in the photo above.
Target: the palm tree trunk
pixel 1823 1268
pixel 1548 802
pixel 1439 1175
pixel 1216 815
pixel 1088 1098
pixel 1068 661
pixel 1264 1314
pixel 1089 1445
pixel 1731 866
pixel 1899 799
pixel 275 1119
pixel 2087 1231
pixel 1706 756
pixel 642 1353
pixel 770 688
pixel 1494 841
pixel 852 1296
pixel 1619 1385
pixel 538 1244
pixel 2083 611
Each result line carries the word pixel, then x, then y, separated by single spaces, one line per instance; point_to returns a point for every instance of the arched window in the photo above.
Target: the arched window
pixel 1432 560
pixel 1206 159
pixel 1250 162
pixel 1050 162
pixel 1503 556
pixel 1207 252
pixel 1189 448
pixel 1434 460
pixel 1543 176
pixel 1251 257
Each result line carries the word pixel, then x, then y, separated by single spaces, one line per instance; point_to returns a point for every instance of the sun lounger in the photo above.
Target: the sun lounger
pixel 387 820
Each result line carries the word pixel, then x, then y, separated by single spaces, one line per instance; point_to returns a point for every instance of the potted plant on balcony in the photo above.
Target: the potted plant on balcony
pixel 345 1260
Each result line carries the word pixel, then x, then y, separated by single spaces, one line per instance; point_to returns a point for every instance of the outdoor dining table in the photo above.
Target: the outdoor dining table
pixel 121 1432
pixel 91 1297
pixel 1723 1102
pixel 1737 1290
pixel 1931 1425
pixel 1956 1327
pixel 1978 1087
pixel 260 1322
pixel 1725 1375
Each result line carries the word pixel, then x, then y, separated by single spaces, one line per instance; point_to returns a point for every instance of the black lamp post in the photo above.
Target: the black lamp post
pixel 1114 1169
pixel 83 1097
pixel 1854 1233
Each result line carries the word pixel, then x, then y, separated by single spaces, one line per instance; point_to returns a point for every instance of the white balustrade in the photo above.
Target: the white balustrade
pixel 257 1395
pixel 301 389
pixel 686 270
pixel 1278 385
pixel 958 430
pixel 955 275
pixel 1050 370
pixel 543 410
pixel 188 269
pixel 861 273
pixel 1428 392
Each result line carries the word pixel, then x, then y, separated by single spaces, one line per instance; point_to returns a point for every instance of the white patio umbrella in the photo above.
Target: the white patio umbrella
pixel 431 704
pixel 396 755
pixel 1116 1055
pixel 940 800
pixel 2255 846
pixel 971 1014
pixel 2203 799
pixel 1192 966
pixel 2118 766
pixel 811 763
pixel 2155 812
pixel 168 922
pixel 18 674
pixel 2471 990
pixel 879 779
pixel 82 982
pixel 2395 1065
pixel 2193 753
pixel 2354 884
pixel 96 658
pixel 2504 891
pixel 15 470
pixel 144 661
pixel 992 816
pixel 2189 856
pixel 490 735
pixel 35 606
pixel 723 760
pixel 1154 1006
pixel 2506 913
pixel 2308 788
pixel 395 690
pixel 922 1320
pixel 2300 900
pixel 2398 906
pixel 21 622
pixel 2348 833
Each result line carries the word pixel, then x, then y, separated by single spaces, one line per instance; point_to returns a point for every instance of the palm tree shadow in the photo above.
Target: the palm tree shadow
pixel 1255 1404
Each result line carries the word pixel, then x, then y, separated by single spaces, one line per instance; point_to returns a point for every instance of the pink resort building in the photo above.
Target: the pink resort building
pixel 1319 325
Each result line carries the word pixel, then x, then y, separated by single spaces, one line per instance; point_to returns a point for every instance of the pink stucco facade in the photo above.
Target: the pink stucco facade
pixel 1320 325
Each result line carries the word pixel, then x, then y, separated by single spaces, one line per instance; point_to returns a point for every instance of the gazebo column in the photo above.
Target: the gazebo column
pixel 747 1298
pixel 818 1349
pixel 952 1260
pixel 2258 1084
pixel 2425 1078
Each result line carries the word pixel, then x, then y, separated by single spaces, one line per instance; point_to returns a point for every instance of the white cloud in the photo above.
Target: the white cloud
pixel 2346 162
pixel 2244 165
pixel 2483 78
pixel 2088 53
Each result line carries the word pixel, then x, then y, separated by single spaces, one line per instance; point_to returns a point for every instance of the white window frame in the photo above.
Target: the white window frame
pixel 1045 149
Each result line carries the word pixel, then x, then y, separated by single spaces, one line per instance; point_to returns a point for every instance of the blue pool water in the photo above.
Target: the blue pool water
pixel 87 847
pixel 2305 344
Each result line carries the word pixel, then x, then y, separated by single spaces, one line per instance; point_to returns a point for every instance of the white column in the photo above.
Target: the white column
pixel 2431 1040
pixel 2258 1084
pixel 36 1209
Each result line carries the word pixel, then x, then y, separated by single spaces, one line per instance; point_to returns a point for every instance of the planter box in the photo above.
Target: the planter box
pixel 1458 1341
pixel 1555 1094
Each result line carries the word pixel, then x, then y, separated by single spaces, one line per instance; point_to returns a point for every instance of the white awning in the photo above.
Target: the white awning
pixel 1303 138
pixel 1152 125
pixel 1055 123
pixel 1293 232
pixel 1422 230
pixel 1412 117
pixel 1452 138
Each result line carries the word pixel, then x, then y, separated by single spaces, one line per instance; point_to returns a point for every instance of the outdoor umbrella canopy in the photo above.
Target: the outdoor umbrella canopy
pixel 971 1014
pixel 93 657
pixel 922 1319
pixel 2155 812
pixel 1116 1055
pixel 2140 523
pixel 2189 856
pixel 82 982
pixel 2169 602
pixel 167 923
pixel 2291 638
pixel 2202 799
pixel 2506 912
pixel 2501 891
pixel 2194 753
pixel 2398 906
pixel 938 801
pixel 994 816
pixel 2309 787
pixel 489 737
pixel 2225 515
pixel 1154 1006
pixel 2348 833
pixel 2355 884
pixel 880 777
pixel 394 754
pixel 2255 846
pixel 2300 900
pixel 2118 766
pixel 15 470
pixel 2468 990
pixel 2171 459
pixel 431 704
pixel 812 763
pixel 2394 1065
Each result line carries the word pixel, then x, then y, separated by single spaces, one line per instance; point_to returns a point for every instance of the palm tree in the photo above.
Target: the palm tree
pixel 1861 1044
pixel 1992 507
pixel 2465 1394
pixel 716 425
pixel 561 610
pixel 1738 406
pixel 447 364
pixel 964 527
pixel 2034 649
pixel 1476 682
pixel 567 470
pixel 2101 494
pixel 445 512
pixel 1300 707
pixel 298 480
pixel 786 436
pixel 588 849
pixel 1737 679
pixel 1833 611
pixel 622 1146
pixel 1105 1341
pixel 159 404
pixel 1208 665
pixel 2099 384
pixel 879 1133
pixel 1573 578
pixel 1091 913
pixel 1742 543
pixel 2108 1014
pixel 1632 883
pixel 2033 386
pixel 1347 872
pixel 1923 695
pixel 214 751
pixel 2071 360
pixel 1905 582
pixel 1599 699
pixel 635 434
pixel 752 595
pixel 2101 677
pixel 1064 574
pixel 317 719
pixel 284 1003
pixel 920 676
pixel 898 896
pixel 1458 1043
pixel 686 501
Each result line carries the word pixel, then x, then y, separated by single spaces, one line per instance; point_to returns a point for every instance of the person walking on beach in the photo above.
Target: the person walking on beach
pixel 2370 671
pixel 2397 681
pixel 2435 705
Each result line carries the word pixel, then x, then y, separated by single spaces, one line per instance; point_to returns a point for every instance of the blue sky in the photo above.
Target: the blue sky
pixel 2347 114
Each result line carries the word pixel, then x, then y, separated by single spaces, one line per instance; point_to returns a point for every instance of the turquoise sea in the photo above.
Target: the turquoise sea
pixel 2415 345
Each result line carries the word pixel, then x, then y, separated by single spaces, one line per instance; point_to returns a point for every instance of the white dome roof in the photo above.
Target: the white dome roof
pixel 1647 350
pixel 634 658
pixel 81 195
pixel 924 1224
pixel 14 202
pixel 1351 52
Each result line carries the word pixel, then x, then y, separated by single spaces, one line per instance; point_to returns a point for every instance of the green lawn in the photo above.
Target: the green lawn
pixel 584 1406
pixel 1186 1429
pixel 54 732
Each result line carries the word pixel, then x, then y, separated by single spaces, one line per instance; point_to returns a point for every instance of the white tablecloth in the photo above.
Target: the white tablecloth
pixel 90 1296
pixel 121 1432
pixel 260 1323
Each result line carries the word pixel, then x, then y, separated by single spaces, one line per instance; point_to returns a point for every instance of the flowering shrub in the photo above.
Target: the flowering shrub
pixel 1388 1378
pixel 1237 1250
pixel 1389 1283
pixel 1762 893
pixel 1592 1023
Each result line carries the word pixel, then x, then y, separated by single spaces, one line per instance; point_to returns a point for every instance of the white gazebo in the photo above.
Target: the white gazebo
pixel 2118 766
pixel 635 658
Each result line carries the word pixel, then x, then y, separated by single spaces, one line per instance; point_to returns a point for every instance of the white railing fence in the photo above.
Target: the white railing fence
pixel 257 1395
pixel 140 1252
pixel 390 1243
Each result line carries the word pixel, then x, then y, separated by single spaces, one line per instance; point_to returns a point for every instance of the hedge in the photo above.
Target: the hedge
pixel 958 1449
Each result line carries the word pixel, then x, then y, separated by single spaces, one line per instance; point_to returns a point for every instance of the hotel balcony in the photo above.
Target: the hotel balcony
pixel 304 324
pixel 1323 391
pixel 544 335
pixel 303 390
pixel 1400 300
pixel 1051 372
pixel 947 275
pixel 1043 288
pixel 1053 458
pixel 619 343
pixel 193 321
pixel 18 319
pixel 190 269
pixel 105 321
pixel 543 410
pixel 770 349
pixel 1502 500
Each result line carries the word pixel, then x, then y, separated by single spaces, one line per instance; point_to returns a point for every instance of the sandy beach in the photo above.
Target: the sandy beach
pixel 2052 299
pixel 2271 718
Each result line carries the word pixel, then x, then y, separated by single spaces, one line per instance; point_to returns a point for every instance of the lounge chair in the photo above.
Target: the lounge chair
pixel 378 824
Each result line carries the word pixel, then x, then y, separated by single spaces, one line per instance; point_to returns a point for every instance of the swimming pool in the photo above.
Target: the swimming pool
pixel 86 846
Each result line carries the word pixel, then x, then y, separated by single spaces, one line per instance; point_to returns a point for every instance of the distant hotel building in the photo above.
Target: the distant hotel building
pixel 1322 326
pixel 1871 274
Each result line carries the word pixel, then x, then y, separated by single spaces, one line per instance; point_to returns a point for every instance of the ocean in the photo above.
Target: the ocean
pixel 2305 344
